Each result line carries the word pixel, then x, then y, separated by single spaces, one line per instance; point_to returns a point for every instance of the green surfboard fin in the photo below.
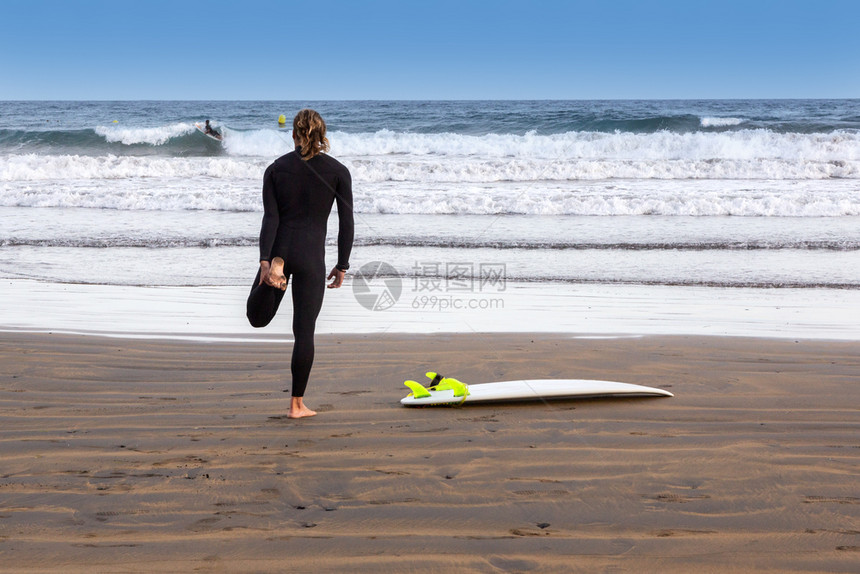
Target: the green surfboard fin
pixel 418 390
pixel 440 383
pixel 460 389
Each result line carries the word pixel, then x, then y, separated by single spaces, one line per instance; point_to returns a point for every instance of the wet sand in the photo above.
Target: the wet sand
pixel 123 455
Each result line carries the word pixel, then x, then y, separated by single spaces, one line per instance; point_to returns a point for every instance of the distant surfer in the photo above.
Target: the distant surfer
pixel 210 131
pixel 299 190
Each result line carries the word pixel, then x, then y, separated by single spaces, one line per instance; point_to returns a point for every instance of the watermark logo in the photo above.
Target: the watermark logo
pixel 437 286
pixel 377 286
pixel 459 277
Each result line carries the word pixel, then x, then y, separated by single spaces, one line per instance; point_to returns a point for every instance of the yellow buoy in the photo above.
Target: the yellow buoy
pixel 282 120
pixel 116 121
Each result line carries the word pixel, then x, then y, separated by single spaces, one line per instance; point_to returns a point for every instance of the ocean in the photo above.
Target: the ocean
pixel 758 194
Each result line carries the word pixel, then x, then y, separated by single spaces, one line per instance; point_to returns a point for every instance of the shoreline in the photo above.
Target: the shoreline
pixel 119 454
pixel 213 313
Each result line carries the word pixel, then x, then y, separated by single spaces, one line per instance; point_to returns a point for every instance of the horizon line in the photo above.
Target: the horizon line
pixel 670 99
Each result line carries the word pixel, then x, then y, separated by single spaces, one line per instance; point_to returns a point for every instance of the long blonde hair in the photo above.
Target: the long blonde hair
pixel 309 132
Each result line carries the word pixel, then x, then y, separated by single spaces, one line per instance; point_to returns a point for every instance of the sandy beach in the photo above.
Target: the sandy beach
pixel 126 455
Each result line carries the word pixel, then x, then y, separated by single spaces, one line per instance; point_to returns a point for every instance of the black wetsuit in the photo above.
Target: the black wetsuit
pixel 297 199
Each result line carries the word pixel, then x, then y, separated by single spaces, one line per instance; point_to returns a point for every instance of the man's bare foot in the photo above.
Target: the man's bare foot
pixel 276 276
pixel 298 410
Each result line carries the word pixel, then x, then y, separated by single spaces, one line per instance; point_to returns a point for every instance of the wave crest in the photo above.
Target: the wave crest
pixel 708 122
pixel 153 136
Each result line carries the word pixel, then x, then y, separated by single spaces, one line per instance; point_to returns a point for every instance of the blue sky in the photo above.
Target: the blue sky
pixel 342 50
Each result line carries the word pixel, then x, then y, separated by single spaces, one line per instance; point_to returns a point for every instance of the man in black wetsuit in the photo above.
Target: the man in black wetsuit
pixel 299 190
pixel 210 131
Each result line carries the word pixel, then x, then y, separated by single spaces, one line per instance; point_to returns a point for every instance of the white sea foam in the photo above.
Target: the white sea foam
pixel 153 136
pixel 687 198
pixel 739 145
pixel 258 143
pixel 748 172
pixel 752 145
pixel 483 170
pixel 33 167
pixel 388 156
pixel 720 122
pixel 623 197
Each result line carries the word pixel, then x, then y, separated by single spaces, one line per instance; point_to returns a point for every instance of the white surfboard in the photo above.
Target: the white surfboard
pixel 202 129
pixel 530 389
